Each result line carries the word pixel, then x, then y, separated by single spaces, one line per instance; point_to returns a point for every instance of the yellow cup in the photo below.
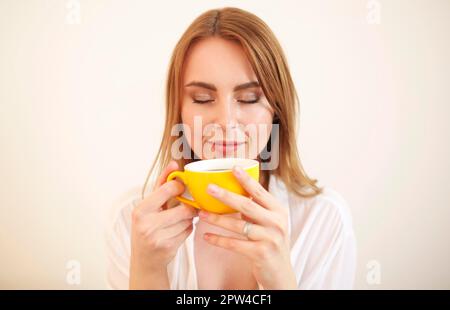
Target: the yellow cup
pixel 197 175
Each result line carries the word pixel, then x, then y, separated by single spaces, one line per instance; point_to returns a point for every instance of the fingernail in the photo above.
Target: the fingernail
pixel 213 189
pixel 206 236
pixel 238 171
pixel 203 214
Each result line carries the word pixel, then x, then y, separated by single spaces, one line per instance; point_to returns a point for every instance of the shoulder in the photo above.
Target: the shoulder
pixel 327 211
pixel 323 241
pixel 118 243
pixel 326 208
pixel 122 215
pixel 119 224
pixel 330 202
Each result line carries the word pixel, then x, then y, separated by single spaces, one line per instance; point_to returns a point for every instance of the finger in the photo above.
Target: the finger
pixel 255 189
pixel 174 215
pixel 161 195
pixel 181 237
pixel 173 230
pixel 242 204
pixel 256 232
pixel 151 222
pixel 243 247
pixel 172 166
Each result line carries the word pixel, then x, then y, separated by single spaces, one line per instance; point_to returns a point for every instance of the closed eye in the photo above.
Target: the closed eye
pixel 202 101
pixel 249 101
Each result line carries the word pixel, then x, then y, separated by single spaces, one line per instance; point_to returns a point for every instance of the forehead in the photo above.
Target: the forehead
pixel 217 61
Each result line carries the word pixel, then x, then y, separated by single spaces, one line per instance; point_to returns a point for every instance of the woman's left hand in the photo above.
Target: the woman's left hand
pixel 266 243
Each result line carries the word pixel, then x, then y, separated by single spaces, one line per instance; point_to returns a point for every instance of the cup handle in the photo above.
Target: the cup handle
pixel 181 175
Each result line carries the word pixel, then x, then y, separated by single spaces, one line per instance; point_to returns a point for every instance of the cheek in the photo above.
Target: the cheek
pixel 258 115
pixel 189 110
pixel 187 119
pixel 260 112
pixel 259 118
pixel 194 117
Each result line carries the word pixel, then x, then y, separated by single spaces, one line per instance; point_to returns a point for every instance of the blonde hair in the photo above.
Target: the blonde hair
pixel 270 66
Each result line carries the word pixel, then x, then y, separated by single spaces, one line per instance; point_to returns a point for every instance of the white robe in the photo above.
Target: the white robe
pixel 323 245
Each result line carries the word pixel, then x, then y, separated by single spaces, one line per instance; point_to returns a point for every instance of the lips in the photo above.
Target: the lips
pixel 227 143
pixel 225 146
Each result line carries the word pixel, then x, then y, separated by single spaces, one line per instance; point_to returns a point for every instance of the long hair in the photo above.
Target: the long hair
pixel 270 66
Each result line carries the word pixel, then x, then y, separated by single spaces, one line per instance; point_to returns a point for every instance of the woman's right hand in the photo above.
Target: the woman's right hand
pixel 157 233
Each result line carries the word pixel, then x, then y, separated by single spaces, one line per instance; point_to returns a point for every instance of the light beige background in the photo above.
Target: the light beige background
pixel 82 113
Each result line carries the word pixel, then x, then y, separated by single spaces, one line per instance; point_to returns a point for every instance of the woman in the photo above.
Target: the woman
pixel 229 70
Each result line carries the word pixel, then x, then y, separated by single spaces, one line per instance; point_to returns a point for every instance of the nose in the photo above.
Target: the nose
pixel 226 114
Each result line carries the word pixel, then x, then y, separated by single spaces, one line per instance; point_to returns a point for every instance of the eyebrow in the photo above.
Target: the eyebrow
pixel 213 88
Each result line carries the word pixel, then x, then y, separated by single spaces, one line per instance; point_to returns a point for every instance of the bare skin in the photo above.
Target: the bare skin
pixel 221 87
pixel 223 65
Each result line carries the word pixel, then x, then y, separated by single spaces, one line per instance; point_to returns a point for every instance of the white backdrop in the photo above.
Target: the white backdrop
pixel 81 98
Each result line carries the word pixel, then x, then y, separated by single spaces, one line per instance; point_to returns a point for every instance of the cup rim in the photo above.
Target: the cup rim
pixel 245 163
